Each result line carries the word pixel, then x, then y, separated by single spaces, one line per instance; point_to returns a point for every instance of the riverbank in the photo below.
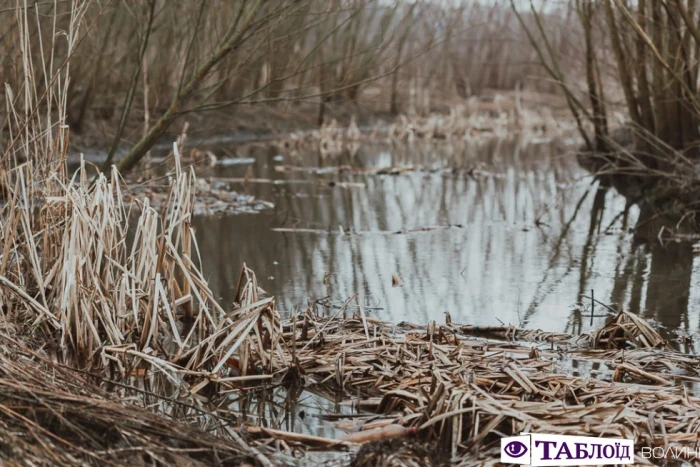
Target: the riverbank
pixel 267 123
pixel 206 147
pixel 459 387
pixel 161 362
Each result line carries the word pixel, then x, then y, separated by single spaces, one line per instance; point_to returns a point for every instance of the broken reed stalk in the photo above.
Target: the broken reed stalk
pixel 464 393
pixel 106 302
pixel 55 416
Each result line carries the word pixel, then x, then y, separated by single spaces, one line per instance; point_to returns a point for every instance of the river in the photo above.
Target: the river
pixel 494 231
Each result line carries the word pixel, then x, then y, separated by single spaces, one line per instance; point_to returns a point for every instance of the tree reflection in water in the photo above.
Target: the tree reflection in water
pixel 530 238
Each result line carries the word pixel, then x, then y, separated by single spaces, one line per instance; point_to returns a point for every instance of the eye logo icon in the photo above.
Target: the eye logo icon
pixel 540 449
pixel 515 449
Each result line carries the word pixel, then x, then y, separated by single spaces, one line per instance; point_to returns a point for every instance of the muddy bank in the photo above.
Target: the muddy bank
pixel 663 184
pixel 244 124
pixel 238 125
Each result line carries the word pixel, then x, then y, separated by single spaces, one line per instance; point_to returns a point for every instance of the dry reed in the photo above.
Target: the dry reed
pixel 466 392
pixel 115 291
pixel 52 415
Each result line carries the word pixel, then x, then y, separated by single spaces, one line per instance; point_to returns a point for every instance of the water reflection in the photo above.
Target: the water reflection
pixel 287 407
pixel 668 289
pixel 291 409
pixel 527 237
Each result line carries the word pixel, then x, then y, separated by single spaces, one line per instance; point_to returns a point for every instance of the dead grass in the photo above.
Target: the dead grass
pixel 465 392
pixel 51 415
pixel 91 302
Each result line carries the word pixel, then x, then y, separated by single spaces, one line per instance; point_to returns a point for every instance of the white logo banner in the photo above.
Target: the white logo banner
pixel 542 450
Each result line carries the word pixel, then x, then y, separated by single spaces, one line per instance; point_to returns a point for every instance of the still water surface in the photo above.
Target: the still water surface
pixel 491 232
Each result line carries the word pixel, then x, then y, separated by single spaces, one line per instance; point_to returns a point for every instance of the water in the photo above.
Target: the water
pixel 290 409
pixel 524 238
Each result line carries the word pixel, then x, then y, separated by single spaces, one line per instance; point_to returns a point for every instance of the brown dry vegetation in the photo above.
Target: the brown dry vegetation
pixel 138 67
pixel 102 300
pixel 652 47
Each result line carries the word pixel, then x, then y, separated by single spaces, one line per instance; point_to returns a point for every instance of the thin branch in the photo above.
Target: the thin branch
pixel 128 100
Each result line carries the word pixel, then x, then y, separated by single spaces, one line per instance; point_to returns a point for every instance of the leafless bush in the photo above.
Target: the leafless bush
pixel 654 54
pixel 157 60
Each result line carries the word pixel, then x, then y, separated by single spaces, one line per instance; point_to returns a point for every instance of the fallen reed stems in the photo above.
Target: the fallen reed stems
pixel 98 289
pixel 109 296
pixel 53 415
pixel 465 392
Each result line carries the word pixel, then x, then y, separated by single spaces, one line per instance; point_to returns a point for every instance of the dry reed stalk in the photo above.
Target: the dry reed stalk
pixel 105 293
pixel 112 298
pixel 118 306
pixel 54 416
pixel 73 278
pixel 463 391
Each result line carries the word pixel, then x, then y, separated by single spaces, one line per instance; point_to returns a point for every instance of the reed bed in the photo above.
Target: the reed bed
pixel 465 392
pixel 93 286
pixel 103 300
pixel 114 349
pixel 463 122
pixel 97 283
pixel 52 415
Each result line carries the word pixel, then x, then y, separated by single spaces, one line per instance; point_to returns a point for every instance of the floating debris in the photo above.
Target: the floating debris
pixel 208 200
pixel 629 331
pixel 394 170
pixel 462 391
pixel 267 181
pixel 234 161
pixel 346 232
